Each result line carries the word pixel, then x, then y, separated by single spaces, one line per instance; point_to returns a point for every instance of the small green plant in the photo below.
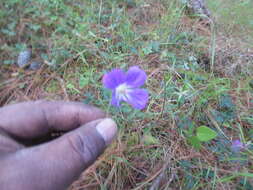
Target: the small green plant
pixel 203 134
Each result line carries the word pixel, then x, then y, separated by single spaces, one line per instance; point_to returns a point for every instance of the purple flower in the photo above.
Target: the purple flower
pixel 237 145
pixel 125 87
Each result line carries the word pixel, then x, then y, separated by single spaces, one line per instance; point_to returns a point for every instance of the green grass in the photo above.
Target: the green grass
pixel 195 77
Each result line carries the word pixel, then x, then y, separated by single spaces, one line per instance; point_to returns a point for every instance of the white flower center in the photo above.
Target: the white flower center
pixel 122 92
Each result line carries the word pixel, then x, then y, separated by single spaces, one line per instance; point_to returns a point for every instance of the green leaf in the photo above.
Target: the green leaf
pixel 147 50
pixel 8 62
pixel 148 139
pixel 226 103
pixel 229 178
pixel 72 88
pixel 195 142
pixel 83 81
pixel 205 134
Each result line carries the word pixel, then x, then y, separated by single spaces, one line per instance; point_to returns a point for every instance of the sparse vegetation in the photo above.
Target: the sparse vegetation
pixel 199 74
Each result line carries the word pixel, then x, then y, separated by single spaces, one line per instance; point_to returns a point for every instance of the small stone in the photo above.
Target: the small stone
pixel 198 7
pixel 24 58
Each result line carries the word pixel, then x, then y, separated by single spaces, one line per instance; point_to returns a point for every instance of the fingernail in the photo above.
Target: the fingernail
pixel 107 128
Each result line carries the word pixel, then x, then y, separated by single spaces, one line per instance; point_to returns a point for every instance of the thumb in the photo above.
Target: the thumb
pixel 55 165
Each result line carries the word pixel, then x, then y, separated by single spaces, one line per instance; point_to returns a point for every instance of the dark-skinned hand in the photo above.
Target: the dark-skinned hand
pixel 55 164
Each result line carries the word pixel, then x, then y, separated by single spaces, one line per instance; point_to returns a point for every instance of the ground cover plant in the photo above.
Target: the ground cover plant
pixel 194 132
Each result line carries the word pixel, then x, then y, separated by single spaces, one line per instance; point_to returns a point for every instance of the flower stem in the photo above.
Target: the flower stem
pixel 108 108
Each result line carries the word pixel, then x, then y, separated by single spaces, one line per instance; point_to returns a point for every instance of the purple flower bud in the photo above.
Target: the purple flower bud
pixel 237 145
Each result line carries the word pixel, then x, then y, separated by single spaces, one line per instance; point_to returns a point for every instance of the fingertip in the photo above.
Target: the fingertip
pixel 107 128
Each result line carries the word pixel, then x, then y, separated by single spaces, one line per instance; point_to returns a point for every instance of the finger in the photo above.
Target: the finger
pixel 33 119
pixel 57 164
pixel 7 144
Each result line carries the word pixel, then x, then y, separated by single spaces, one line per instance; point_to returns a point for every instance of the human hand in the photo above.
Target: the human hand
pixel 56 164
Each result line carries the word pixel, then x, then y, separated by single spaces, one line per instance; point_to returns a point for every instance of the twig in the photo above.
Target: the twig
pixel 148 180
pixel 214 122
pixel 62 83
pixel 7 82
pixel 157 182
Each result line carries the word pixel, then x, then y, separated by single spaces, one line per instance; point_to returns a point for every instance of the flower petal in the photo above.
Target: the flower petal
pixel 237 145
pixel 138 98
pixel 115 101
pixel 114 78
pixel 135 77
